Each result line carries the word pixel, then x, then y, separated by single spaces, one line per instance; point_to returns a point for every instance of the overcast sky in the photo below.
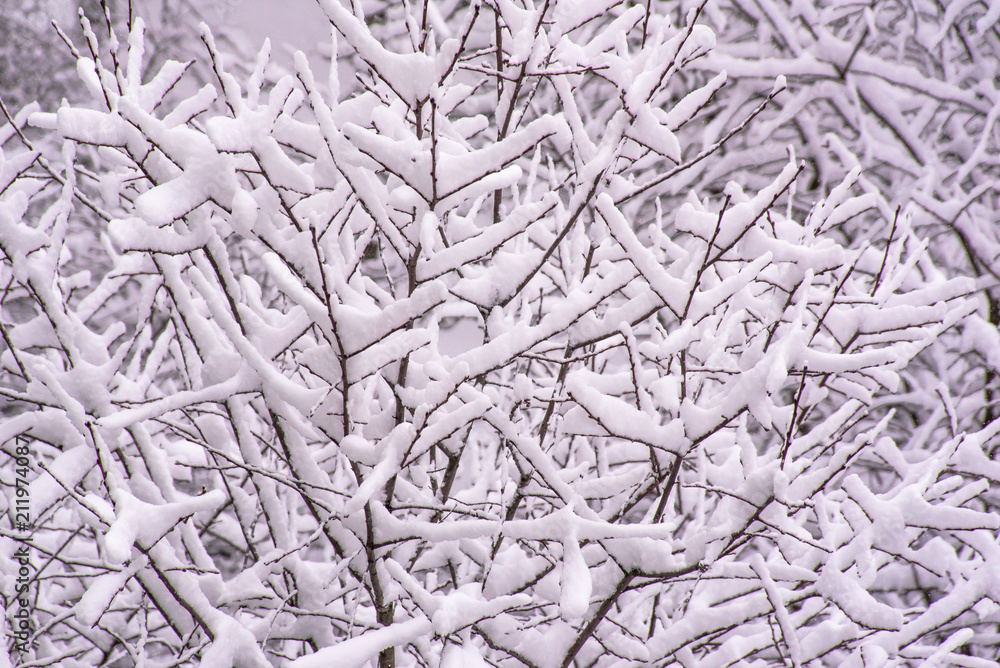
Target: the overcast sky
pixel 300 23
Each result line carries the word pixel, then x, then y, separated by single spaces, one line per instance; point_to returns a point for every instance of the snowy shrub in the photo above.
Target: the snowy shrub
pixel 431 364
pixel 907 91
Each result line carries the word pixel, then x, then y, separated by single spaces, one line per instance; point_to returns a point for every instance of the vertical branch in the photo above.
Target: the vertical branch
pixel 498 40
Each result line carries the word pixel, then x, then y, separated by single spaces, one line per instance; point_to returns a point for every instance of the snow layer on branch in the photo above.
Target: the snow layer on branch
pixel 621 420
pixel 146 523
pixel 411 76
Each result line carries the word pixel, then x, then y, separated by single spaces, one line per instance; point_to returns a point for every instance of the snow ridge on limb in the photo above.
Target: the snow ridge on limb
pixel 410 370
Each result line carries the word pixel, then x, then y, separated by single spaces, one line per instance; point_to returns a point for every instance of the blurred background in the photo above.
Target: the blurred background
pixel 36 63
